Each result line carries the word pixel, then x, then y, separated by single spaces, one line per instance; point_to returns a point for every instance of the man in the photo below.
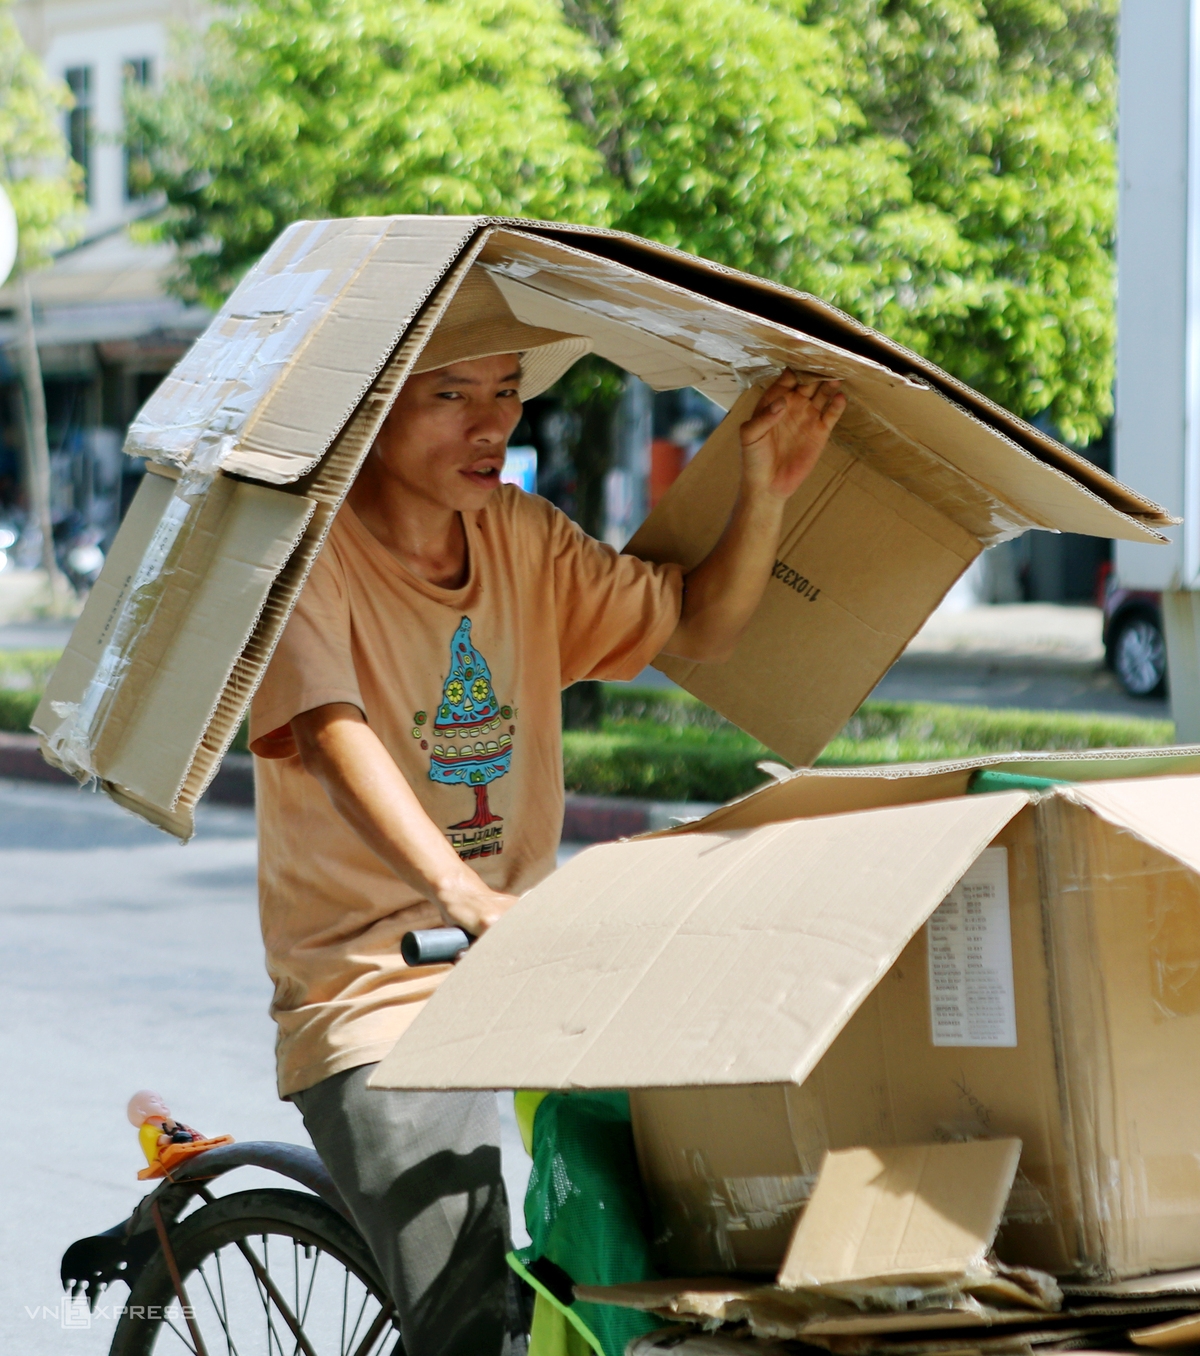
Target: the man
pixel 410 764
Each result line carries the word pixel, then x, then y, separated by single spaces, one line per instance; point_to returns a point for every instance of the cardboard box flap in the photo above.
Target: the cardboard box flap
pixel 811 316
pixel 917 1214
pixel 160 705
pixel 1163 811
pixel 298 344
pixel 952 458
pixel 691 960
pixel 837 790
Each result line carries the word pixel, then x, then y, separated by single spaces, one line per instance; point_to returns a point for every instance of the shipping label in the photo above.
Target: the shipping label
pixel 970 959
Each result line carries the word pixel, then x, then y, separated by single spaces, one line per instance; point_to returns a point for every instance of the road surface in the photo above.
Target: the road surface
pixel 127 962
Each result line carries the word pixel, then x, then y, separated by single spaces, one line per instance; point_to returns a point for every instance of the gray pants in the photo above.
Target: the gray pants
pixel 420 1172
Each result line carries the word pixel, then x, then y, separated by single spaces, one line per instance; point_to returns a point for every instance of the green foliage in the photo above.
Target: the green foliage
pixel 917 732
pixel 27 668
pixel 660 744
pixel 16 709
pixel 1007 109
pixel 309 108
pixel 661 763
pixel 667 746
pixel 35 169
pixel 728 125
pixel 942 169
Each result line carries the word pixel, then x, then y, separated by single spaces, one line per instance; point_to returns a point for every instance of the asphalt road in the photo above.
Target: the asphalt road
pixel 126 962
pixel 1033 685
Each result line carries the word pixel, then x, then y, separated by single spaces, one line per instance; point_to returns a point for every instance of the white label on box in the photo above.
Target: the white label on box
pixel 970 959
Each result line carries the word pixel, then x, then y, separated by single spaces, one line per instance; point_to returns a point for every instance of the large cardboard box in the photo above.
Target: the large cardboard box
pixel 922 965
pixel 259 431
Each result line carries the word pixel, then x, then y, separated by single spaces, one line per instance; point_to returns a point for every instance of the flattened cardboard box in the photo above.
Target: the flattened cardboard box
pixel 771 992
pixel 287 388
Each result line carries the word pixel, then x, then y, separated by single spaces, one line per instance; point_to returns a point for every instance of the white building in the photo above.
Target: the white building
pixel 107 329
pixel 1158 317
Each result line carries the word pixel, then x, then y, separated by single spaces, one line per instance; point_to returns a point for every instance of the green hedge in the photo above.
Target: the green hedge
pixel 917 732
pixel 665 745
pixel 17 708
pixel 661 762
pixel 668 746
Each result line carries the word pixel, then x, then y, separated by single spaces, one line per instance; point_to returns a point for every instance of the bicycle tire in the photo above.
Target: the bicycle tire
pixel 203 1241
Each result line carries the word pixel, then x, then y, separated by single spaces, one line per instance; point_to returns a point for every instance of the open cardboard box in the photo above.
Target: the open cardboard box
pixel 257 434
pixel 873 957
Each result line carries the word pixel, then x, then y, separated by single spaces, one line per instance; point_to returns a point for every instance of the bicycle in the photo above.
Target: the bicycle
pixel 267 1270
pixel 270 1270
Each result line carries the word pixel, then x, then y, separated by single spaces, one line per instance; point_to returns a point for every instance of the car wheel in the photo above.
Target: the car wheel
pixel 1139 656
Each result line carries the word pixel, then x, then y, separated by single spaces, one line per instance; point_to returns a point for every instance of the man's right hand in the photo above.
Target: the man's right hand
pixel 474 909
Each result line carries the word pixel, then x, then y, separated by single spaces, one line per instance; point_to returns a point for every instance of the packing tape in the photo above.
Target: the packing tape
pixel 74 741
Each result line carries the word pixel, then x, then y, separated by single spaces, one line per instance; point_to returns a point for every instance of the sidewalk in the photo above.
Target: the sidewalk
pixel 1013 634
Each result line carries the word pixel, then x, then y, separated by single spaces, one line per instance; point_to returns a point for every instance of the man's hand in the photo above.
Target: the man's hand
pixel 781 442
pixel 788 431
pixel 475 907
pixel 369 791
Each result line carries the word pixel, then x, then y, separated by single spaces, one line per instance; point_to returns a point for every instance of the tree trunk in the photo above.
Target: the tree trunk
pixel 37 445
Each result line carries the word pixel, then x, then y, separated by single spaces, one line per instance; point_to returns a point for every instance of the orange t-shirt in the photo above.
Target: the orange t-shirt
pixel 462 686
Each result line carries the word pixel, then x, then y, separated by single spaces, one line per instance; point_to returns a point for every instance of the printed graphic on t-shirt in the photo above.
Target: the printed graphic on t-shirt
pixel 472 734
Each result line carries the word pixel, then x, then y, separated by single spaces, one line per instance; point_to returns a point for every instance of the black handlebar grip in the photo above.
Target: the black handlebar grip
pixel 434 946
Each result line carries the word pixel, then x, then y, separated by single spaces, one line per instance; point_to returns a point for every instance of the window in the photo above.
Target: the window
pixel 79 122
pixel 139 74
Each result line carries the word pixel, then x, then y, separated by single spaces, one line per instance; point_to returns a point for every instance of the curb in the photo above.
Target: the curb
pixel 588 819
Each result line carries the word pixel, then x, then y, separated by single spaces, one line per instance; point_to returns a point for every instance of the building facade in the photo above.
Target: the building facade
pixel 108 330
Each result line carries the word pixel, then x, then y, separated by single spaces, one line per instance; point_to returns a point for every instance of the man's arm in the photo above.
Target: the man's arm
pixel 780 446
pixel 369 791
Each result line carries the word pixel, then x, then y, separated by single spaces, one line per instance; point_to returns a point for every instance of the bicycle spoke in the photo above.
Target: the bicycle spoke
pixel 264 1298
pixel 382 1318
pixel 362 1308
pixel 269 1292
pixel 218 1309
pixel 312 1280
pixel 296 1288
pixel 185 1339
pixel 224 1304
pixel 345 1303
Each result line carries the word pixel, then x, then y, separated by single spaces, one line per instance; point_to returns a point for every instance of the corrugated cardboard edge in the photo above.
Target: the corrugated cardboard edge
pixel 1146 811
pixel 888 353
pixel 866 1201
pixel 1068 466
pixel 768 803
pixel 328 486
pixel 520 1011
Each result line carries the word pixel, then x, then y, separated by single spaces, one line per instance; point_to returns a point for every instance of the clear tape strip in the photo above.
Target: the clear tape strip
pixel 74 742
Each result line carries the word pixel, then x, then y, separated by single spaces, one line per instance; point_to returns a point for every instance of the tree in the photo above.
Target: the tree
pixel 35 166
pixel 302 108
pixel 726 124
pixel 43 184
pixel 1007 109
pixel 942 169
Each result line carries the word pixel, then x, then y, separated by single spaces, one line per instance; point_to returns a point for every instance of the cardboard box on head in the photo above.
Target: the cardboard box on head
pixel 873 957
pixel 257 435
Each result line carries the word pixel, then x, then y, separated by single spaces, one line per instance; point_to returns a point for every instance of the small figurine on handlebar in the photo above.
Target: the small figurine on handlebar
pixel 165 1141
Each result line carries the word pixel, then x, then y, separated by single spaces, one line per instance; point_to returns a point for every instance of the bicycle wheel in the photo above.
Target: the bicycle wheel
pixel 266 1273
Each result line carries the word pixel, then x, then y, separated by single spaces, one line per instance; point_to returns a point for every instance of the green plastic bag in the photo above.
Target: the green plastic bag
pixel 586 1217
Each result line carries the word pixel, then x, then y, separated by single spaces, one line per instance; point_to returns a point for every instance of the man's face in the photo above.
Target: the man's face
pixel 446 436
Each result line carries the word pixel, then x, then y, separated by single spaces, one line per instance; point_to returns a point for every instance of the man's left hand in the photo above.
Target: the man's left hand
pixel 788 432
